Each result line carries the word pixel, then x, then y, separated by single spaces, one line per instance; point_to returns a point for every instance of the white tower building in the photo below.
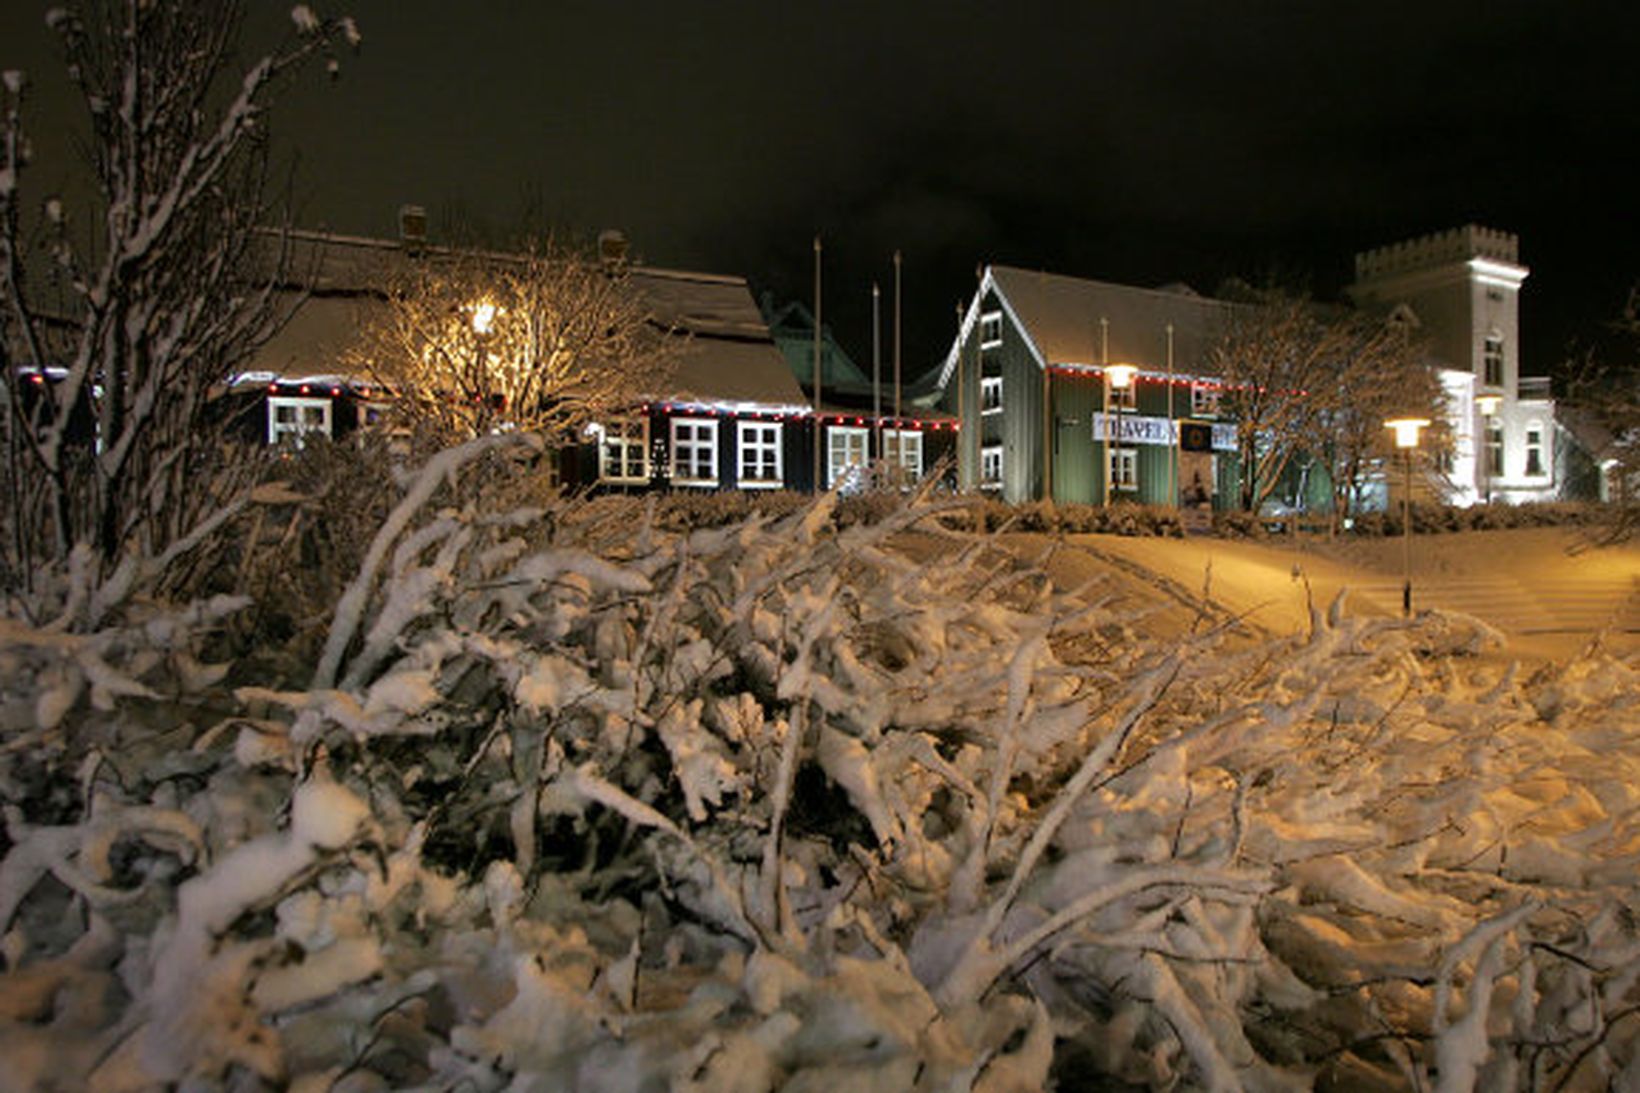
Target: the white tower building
pixel 1462 287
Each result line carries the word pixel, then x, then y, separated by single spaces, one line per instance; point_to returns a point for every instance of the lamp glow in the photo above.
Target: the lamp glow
pixel 1488 404
pixel 1406 430
pixel 483 317
pixel 1121 375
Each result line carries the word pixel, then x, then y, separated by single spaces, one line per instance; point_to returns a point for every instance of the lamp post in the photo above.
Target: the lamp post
pixel 483 322
pixel 1488 406
pixel 1406 439
pixel 1118 377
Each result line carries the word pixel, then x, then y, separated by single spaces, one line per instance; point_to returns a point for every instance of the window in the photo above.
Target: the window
pixel 293 418
pixel 1204 400
pixel 990 395
pixel 1534 449
pixel 1124 468
pixel 1492 360
pixel 845 456
pixel 1125 398
pixel 624 451
pixel 990 467
pixel 760 461
pixel 1494 448
pixel 990 329
pixel 694 452
pixel 902 450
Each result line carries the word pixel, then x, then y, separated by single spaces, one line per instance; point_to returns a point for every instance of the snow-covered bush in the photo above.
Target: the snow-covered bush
pixel 569 800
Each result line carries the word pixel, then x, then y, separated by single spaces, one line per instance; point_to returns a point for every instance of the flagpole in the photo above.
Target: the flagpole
pixel 877 366
pixel 818 430
pixel 896 339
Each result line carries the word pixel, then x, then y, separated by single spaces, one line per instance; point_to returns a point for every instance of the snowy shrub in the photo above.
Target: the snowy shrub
pixel 568 800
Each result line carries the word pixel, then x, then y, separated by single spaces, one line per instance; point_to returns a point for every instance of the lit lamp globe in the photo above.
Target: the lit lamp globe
pixel 1121 375
pixel 1407 430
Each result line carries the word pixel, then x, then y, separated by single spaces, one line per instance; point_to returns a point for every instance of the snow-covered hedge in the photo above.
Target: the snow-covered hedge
pixel 572 801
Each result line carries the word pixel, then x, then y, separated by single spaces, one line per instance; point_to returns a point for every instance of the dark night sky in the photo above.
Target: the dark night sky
pixel 1143 142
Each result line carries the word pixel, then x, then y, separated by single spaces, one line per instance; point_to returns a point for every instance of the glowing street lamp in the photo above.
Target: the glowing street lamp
pixel 1406 439
pixel 1118 377
pixel 483 318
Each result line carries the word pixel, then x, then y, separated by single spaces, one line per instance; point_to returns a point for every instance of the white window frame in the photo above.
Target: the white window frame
pixel 755 452
pixel 1534 429
pixel 1125 398
pixel 847 450
pixel 701 447
pixel 990 395
pixel 298 429
pixel 903 450
pixel 621 437
pixel 1204 400
pixel 990 467
pixel 990 329
pixel 1494 448
pixel 1124 469
pixel 1492 352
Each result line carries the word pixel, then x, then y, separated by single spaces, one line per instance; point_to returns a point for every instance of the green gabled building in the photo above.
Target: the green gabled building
pixel 1086 391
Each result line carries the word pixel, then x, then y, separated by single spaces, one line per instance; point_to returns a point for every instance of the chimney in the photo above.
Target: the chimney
pixel 412 227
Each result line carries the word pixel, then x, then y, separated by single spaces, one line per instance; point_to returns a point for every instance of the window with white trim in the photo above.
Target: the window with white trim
pixel 623 453
pixel 845 455
pixel 1204 400
pixel 990 467
pixel 990 329
pixel 902 449
pixel 1124 468
pixel 694 451
pixel 1534 450
pixel 990 395
pixel 293 418
pixel 1125 398
pixel 758 445
pixel 1492 360
pixel 1494 448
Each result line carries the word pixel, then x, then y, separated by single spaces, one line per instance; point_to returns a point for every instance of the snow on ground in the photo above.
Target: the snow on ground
pixel 1549 589
pixel 583 804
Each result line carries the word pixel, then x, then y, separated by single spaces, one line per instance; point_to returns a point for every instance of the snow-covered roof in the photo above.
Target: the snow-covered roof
pixel 1060 316
pixel 729 357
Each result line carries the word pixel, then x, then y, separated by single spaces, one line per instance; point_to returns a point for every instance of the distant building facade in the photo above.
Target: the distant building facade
pixel 732 416
pixel 1029 377
pixel 1460 290
pixel 1087 391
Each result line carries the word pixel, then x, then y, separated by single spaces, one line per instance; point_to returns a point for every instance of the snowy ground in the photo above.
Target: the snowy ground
pixel 580 804
pixel 1549 590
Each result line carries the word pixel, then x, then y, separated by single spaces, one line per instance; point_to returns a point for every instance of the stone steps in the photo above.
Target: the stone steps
pixel 1558 602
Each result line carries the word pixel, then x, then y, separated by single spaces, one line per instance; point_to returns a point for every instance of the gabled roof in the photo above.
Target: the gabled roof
pixel 1060 318
pixel 729 356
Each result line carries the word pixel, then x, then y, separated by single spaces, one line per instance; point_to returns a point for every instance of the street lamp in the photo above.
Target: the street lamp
pixel 1118 377
pixel 1406 439
pixel 483 321
pixel 1488 406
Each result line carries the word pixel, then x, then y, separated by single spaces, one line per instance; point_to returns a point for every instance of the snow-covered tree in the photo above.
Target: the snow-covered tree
pixel 1276 353
pixel 126 299
pixel 1382 372
pixel 1602 390
pixel 544 339
pixel 1306 381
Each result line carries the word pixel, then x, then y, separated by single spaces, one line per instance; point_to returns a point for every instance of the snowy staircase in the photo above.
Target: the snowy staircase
pixel 1559 602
